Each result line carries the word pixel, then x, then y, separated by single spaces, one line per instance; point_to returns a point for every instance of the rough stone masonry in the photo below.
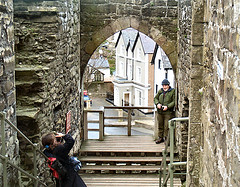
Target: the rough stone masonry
pixel 47 43
pixel 201 39
pixel 7 82
pixel 40 59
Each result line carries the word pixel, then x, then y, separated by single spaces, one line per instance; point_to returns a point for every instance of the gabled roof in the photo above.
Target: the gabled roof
pixel 99 63
pixel 147 43
pixel 129 35
pixel 166 62
pixel 154 53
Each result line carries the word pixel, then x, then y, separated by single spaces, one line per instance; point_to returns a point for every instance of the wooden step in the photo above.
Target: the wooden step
pixel 120 168
pixel 120 159
pixel 123 144
pixel 109 159
pixel 123 180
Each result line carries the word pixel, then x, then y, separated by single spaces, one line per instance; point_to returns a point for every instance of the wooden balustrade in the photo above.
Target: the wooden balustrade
pixel 102 118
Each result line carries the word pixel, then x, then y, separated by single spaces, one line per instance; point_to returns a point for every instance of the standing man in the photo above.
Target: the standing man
pixel 165 102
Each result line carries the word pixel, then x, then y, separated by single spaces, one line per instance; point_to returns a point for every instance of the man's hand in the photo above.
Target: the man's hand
pixel 159 106
pixel 164 108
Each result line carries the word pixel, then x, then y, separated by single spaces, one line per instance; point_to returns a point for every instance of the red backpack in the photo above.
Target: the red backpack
pixel 54 172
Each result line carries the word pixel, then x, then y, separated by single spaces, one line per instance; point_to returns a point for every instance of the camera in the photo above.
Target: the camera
pixel 59 139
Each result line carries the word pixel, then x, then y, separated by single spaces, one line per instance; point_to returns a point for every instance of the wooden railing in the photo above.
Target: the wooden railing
pixel 102 117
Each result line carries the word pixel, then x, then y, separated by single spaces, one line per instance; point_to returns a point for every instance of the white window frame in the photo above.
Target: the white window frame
pixel 121 68
pixel 139 98
pixel 130 70
pixel 138 73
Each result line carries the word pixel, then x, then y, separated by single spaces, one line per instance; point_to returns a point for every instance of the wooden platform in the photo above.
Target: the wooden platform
pixel 121 161
pixel 124 144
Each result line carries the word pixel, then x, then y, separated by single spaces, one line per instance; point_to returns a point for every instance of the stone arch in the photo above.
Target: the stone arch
pixel 168 45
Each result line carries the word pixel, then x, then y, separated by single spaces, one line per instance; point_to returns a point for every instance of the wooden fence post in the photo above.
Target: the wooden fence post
pixel 155 126
pixel 129 121
pixel 85 128
pixel 101 125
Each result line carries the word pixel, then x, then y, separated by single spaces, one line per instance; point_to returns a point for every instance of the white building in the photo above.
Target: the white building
pixel 102 65
pixel 136 69
pixel 162 69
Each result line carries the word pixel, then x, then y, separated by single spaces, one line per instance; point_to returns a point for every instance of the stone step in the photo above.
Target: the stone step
pixel 30 81
pixel 28 73
pixel 148 124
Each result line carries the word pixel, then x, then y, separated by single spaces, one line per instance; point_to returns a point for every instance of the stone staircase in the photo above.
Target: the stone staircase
pixel 121 161
pixel 29 81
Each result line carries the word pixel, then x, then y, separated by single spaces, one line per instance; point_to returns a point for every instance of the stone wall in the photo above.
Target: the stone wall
pixel 101 19
pixel 47 43
pixel 208 78
pixel 7 87
pixel 49 72
pixel 220 152
pixel 183 80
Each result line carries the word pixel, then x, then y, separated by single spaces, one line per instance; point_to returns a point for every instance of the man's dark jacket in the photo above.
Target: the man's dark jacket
pixel 166 99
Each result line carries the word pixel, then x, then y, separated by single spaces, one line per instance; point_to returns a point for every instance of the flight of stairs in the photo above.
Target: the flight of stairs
pixel 117 161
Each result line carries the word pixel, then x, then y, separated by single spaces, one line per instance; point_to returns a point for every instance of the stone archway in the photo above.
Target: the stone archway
pixel 169 46
pixel 100 20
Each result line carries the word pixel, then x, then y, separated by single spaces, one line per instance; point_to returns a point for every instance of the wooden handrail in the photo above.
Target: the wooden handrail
pixel 102 117
pixel 128 107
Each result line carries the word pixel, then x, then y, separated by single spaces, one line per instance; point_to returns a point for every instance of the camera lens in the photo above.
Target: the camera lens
pixel 59 139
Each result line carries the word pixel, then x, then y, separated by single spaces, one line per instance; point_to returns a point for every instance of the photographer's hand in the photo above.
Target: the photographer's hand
pixel 58 135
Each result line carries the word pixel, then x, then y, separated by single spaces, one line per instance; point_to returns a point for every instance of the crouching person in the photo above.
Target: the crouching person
pixel 59 160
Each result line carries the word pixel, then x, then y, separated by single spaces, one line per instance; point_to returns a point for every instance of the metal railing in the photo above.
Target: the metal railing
pixel 102 117
pixel 163 173
pixel 4 157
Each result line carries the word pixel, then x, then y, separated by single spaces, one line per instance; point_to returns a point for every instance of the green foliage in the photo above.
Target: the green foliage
pixel 112 69
pixel 111 61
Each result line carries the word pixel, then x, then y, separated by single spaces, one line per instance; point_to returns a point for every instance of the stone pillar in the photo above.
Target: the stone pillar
pixel 194 131
pixel 7 89
pixel 47 43
pixel 183 80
